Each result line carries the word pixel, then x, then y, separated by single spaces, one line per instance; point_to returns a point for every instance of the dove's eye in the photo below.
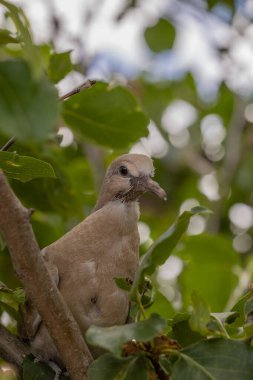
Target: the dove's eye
pixel 123 171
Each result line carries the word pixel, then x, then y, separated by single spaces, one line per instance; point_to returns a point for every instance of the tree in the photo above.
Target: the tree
pixel 192 298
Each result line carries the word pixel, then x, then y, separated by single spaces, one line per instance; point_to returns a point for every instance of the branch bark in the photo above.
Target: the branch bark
pixel 30 269
pixel 12 350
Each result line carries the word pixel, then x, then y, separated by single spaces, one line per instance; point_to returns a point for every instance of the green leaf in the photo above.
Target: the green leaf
pixel 240 309
pixel 29 51
pixel 59 66
pixel 24 168
pixel 19 295
pixel 181 330
pixel 226 316
pixel 200 314
pixel 162 248
pixel 160 36
pixel 109 367
pixel 6 306
pixel 112 338
pixel 106 116
pixel 37 371
pixel 138 369
pixel 10 300
pixel 165 363
pixel 28 107
pixel 123 283
pixel 228 3
pixel 215 359
pixel 219 327
pixel 6 37
pixel 161 306
pixel 248 331
pixel 209 263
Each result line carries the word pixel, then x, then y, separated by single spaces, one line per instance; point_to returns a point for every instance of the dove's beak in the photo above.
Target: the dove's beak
pixel 154 188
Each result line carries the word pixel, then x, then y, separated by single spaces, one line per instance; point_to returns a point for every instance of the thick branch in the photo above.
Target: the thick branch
pixel 12 350
pixel 30 269
pixel 89 83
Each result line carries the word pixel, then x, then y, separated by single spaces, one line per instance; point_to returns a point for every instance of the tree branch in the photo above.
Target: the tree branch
pixel 30 269
pixel 230 162
pixel 12 350
pixel 89 83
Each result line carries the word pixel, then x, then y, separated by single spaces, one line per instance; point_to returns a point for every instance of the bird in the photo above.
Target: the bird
pixel 86 260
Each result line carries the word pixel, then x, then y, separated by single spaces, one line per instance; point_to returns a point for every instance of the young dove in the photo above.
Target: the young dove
pixel 87 259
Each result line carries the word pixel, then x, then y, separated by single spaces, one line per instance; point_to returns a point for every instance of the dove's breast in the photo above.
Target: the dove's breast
pixel 105 248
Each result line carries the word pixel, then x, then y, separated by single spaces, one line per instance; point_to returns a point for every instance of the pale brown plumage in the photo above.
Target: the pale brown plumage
pixel 85 261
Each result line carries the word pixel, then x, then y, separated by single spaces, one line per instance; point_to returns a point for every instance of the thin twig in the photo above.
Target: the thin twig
pixel 8 144
pixel 89 83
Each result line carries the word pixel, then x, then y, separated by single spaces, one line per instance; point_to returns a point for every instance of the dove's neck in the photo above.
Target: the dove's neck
pixel 124 216
pixel 107 197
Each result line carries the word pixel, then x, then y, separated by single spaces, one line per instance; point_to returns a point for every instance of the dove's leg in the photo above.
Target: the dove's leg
pixel 56 369
pixel 53 366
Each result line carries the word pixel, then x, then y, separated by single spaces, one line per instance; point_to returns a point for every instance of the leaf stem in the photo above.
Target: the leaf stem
pixel 141 308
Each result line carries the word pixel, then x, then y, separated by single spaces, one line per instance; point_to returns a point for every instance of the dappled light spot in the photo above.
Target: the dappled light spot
pixel 178 116
pixel 167 275
pixel 154 145
pixel 139 148
pixel 214 152
pixel 170 269
pixel 241 215
pixel 5 319
pixel 67 136
pixel 248 113
pixel 242 243
pixel 237 66
pixel 188 204
pixel 212 129
pixel 213 133
pixel 144 232
pixel 197 225
pixel 180 139
pixel 208 185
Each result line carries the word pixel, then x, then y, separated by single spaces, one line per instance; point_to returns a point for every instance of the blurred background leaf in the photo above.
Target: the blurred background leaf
pixel 106 116
pixel 160 37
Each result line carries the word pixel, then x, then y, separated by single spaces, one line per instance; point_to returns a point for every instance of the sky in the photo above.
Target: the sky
pixel 112 45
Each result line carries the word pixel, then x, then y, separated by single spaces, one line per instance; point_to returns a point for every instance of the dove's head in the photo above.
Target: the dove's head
pixel 127 178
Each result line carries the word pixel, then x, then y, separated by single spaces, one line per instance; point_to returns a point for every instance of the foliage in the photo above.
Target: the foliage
pixel 106 116
pixel 24 168
pixel 191 303
pixel 160 36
